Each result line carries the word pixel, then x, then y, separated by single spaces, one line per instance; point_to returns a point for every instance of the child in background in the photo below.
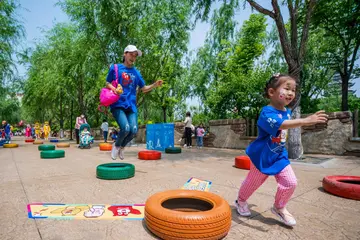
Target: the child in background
pixel 86 137
pixel 7 131
pixel 200 131
pixel 114 135
pixel 268 154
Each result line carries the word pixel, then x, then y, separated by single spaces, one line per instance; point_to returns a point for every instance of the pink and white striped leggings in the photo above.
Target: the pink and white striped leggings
pixel 286 180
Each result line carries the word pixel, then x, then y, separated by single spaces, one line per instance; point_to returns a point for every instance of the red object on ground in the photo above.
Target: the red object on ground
pixel 242 162
pixel 149 155
pixel 343 186
pixel 29 140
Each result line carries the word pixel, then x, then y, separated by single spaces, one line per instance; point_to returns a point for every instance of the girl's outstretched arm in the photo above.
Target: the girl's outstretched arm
pixel 318 117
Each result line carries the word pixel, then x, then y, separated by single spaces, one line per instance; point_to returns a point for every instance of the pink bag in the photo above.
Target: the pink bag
pixel 107 96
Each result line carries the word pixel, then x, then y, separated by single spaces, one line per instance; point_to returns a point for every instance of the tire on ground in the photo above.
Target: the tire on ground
pixel 242 162
pixel 149 155
pixel 173 150
pixel 11 145
pixel 52 154
pixel 46 147
pixel 187 214
pixel 105 146
pixel 115 171
pixel 38 142
pixel 63 145
pixel 343 186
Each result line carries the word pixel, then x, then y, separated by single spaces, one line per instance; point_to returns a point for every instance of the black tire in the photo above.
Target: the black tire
pixel 173 150
pixel 52 154
pixel 46 147
pixel 115 171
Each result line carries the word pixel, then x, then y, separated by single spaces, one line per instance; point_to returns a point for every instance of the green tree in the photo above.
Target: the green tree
pixel 160 29
pixel 11 32
pixel 205 68
pixel 239 81
pixel 341 21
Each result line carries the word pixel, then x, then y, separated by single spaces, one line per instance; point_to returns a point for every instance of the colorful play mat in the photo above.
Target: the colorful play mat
pixel 101 211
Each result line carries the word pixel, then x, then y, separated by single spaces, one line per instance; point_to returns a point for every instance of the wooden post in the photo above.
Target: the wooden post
pixel 356 123
pixel 252 127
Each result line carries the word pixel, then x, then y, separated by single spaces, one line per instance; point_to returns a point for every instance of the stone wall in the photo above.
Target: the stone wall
pixel 330 138
pixel 334 137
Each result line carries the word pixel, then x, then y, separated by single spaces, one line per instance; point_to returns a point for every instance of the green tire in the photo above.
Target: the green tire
pixel 52 154
pixel 115 171
pixel 173 150
pixel 46 147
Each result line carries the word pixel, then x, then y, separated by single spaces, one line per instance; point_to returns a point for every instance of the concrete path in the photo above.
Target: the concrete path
pixel 26 178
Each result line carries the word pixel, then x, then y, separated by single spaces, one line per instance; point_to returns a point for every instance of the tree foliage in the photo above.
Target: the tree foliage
pixel 11 31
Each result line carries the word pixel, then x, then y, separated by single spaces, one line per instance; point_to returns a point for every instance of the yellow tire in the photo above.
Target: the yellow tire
pixel 38 142
pixel 63 145
pixel 11 145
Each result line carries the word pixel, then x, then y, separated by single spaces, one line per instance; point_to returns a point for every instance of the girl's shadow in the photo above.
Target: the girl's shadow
pixel 255 216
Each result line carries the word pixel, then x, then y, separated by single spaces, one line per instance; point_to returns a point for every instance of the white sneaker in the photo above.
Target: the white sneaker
pixel 114 151
pixel 284 216
pixel 242 208
pixel 121 153
pixel 184 145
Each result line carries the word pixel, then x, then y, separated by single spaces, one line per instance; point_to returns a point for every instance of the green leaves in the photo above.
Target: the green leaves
pixel 11 31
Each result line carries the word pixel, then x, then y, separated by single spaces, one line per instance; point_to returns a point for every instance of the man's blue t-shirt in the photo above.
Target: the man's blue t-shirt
pixel 268 152
pixel 129 79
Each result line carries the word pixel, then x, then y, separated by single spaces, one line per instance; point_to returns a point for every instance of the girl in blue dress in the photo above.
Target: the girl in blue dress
pixel 268 154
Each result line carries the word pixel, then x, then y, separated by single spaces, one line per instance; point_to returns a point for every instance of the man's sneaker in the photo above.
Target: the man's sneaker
pixel 284 216
pixel 121 153
pixel 114 151
pixel 242 208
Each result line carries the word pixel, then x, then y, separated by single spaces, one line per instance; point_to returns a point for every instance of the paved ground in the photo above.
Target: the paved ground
pixel 25 178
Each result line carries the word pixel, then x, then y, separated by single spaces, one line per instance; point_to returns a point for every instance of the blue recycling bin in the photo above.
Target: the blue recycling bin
pixel 159 136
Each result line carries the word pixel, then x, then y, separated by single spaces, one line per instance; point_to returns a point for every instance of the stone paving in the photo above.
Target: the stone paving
pixel 26 178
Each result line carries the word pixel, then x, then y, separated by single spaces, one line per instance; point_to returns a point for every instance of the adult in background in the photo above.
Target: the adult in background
pixel 79 120
pixel 125 110
pixel 105 129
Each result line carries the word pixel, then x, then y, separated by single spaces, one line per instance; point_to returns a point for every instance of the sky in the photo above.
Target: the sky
pixel 39 15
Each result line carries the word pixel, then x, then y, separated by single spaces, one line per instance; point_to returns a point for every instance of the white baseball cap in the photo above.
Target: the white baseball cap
pixel 132 48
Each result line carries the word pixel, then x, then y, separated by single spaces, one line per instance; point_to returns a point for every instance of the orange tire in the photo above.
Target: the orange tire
pixel 187 214
pixel 343 186
pixel 38 142
pixel 63 145
pixel 149 155
pixel 105 146
pixel 29 140
pixel 242 162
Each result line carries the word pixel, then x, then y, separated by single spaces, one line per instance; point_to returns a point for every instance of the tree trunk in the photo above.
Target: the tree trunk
pixel 81 95
pixel 345 92
pixel 295 148
pixel 164 114
pixel 61 111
